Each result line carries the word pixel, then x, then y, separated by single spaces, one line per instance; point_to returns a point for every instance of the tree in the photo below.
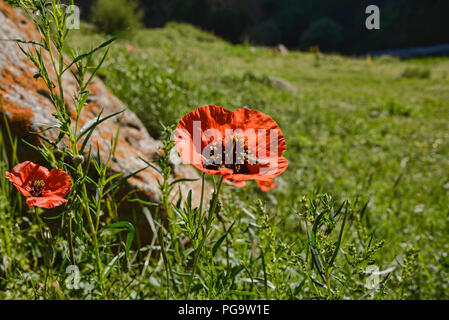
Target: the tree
pixel 324 33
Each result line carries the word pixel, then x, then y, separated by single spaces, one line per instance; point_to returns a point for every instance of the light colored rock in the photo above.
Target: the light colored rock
pixel 282 84
pixel 282 49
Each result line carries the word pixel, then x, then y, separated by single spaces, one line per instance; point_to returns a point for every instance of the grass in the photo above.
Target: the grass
pixel 356 130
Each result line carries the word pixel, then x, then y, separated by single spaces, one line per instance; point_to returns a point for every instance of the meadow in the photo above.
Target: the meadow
pixel 366 188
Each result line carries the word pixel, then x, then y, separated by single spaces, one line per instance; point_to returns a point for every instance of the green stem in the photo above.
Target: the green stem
pixel 48 254
pixel 95 243
pixel 202 192
pixel 197 253
pixel 72 254
pixel 168 270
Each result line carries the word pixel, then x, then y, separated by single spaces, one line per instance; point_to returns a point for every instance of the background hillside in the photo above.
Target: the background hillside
pixel 333 25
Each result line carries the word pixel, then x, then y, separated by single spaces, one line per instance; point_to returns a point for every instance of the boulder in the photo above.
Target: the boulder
pixel 282 84
pixel 25 101
pixel 282 49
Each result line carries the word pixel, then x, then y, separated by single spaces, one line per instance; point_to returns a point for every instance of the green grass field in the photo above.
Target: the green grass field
pixel 370 131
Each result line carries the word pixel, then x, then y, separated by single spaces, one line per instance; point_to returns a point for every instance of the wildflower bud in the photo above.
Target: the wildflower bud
pixel 78 160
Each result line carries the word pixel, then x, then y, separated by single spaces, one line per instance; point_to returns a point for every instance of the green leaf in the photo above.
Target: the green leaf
pixel 97 68
pixel 25 42
pixel 183 180
pixel 220 241
pixel 236 270
pixel 362 213
pixel 336 213
pixel 122 226
pixel 340 236
pixel 111 264
pixel 91 127
pixel 145 203
pixel 85 55
pixel 151 165
pixel 315 254
pixel 114 176
pixel 315 226
pixel 123 180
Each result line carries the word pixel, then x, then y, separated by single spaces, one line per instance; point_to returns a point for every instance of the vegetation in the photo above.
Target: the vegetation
pixel 115 16
pixel 366 189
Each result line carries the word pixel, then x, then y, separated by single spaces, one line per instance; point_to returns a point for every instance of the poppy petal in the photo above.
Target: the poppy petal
pixel 47 202
pixel 245 119
pixel 238 184
pixel 58 183
pixel 29 171
pixel 17 182
pixel 263 173
pixel 249 119
pixel 266 185
pixel 209 118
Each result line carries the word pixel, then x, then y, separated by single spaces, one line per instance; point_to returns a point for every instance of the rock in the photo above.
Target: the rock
pixel 282 84
pixel 282 49
pixel 28 109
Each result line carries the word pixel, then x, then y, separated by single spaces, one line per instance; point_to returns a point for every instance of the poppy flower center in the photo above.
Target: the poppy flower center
pixel 36 187
pixel 231 155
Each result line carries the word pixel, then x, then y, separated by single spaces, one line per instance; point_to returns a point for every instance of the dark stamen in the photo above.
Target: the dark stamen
pixel 238 156
pixel 35 187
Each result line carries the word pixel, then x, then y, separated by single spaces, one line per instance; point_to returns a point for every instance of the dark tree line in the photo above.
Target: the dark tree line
pixel 333 25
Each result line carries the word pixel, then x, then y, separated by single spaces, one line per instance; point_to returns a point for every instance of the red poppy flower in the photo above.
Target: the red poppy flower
pixel 43 188
pixel 241 145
